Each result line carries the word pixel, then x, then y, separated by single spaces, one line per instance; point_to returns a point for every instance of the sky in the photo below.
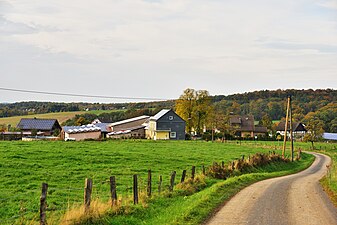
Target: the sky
pixel 158 48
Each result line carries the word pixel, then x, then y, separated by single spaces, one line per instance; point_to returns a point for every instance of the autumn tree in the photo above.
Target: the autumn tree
pixel 202 109
pixel 266 121
pixel 81 121
pixel 314 127
pixel 194 107
pixel 185 107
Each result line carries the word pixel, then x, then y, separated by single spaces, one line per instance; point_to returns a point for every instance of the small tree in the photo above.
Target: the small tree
pixel 34 132
pixel 81 121
pixel 56 133
pixel 314 130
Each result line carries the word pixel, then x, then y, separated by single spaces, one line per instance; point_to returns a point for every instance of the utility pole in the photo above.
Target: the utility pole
pixel 286 128
pixel 291 130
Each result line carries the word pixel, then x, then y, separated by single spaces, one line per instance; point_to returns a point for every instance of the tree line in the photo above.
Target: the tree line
pixel 202 108
pixel 315 108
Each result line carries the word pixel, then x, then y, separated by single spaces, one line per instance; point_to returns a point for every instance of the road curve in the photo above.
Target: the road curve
pixel 289 200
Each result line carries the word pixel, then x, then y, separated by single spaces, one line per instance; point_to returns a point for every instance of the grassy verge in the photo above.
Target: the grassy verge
pixel 196 208
pixel 329 182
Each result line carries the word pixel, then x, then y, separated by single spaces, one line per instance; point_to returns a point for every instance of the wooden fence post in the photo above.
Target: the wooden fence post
pixel 135 189
pixel 43 204
pixel 183 176
pixel 203 170
pixel 193 172
pixel 160 183
pixel 222 164
pixel 113 190
pixel 173 175
pixel 87 194
pixel 149 183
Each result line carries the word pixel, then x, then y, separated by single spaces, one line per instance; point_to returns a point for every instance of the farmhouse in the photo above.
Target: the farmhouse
pixel 44 127
pixel 166 125
pixel 78 133
pixel 298 129
pixel 243 126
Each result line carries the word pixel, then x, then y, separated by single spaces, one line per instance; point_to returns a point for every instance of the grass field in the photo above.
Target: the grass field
pixel 65 165
pixel 329 182
pixel 60 116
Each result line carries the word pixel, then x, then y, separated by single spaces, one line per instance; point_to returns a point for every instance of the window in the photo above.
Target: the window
pixel 170 117
pixel 173 134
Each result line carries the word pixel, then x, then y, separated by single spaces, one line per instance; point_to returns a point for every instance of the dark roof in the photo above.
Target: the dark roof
pixel 38 124
pixel 246 122
pixel 105 127
pixel 259 129
pixel 297 126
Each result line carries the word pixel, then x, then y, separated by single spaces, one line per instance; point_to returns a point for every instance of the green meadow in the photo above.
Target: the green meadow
pixel 65 165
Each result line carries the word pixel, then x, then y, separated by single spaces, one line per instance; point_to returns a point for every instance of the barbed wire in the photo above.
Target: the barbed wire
pixel 18 195
pixel 18 216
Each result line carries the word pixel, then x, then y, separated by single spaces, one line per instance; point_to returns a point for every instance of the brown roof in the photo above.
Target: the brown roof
pixel 246 122
pixel 297 126
pixel 259 129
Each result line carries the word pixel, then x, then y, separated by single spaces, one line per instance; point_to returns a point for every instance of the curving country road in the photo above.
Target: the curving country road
pixel 294 199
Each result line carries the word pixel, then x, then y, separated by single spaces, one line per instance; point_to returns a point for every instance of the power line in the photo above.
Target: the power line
pixel 81 95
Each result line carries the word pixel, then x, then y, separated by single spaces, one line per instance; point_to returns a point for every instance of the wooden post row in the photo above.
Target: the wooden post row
pixel 183 176
pixel 87 194
pixel 43 204
pixel 149 183
pixel 135 189
pixel 113 190
pixel 193 172
pixel 173 175
pixel 160 183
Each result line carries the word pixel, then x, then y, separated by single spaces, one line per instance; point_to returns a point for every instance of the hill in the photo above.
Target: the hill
pixel 60 116
pixel 257 103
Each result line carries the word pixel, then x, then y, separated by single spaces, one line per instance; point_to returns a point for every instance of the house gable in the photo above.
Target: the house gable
pixel 170 123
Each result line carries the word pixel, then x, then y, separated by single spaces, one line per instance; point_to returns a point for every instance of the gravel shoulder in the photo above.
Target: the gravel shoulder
pixel 293 199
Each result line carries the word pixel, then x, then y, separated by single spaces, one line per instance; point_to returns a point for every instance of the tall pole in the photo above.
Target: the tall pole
pixel 286 128
pixel 291 130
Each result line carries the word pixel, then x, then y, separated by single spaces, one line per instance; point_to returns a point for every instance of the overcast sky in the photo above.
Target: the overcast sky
pixel 158 48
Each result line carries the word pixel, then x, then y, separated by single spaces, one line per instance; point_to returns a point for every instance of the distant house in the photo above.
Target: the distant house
pixel 79 133
pixel 166 125
pixel 243 126
pixel 298 129
pixel 44 127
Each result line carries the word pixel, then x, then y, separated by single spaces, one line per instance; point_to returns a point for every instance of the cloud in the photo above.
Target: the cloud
pixel 331 4
pixel 294 46
pixel 182 43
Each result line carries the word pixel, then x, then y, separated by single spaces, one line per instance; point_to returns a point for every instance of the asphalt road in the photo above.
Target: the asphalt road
pixel 294 199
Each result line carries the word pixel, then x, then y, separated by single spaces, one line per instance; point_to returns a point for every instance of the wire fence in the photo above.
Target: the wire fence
pixel 22 207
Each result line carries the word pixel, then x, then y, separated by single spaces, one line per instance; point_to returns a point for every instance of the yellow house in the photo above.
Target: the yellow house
pixel 166 125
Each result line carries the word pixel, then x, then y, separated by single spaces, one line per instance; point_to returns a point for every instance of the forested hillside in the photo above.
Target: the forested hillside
pixel 273 103
pixel 321 103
